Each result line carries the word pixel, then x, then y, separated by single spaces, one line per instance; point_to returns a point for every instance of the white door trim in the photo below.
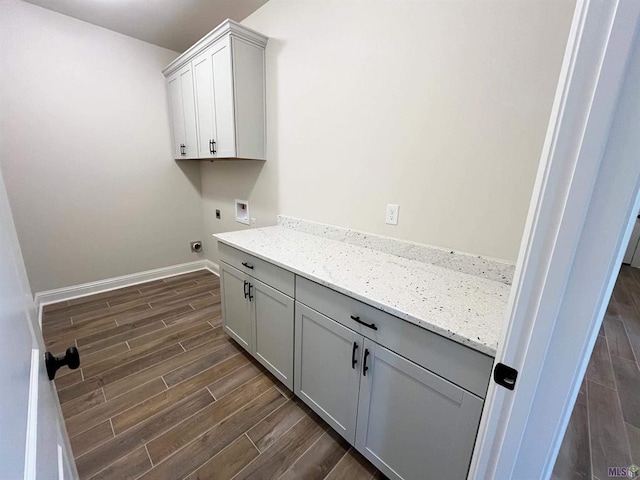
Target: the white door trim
pixel 31 447
pixel 516 434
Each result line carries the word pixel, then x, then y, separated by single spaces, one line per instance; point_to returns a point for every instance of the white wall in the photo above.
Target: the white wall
pixel 86 151
pixel 438 106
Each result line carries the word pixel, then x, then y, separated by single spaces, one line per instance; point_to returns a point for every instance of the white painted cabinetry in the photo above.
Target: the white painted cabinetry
pixel 413 424
pixel 183 120
pixel 409 400
pixel 409 422
pixel 327 369
pixel 258 316
pixel 236 307
pixel 227 96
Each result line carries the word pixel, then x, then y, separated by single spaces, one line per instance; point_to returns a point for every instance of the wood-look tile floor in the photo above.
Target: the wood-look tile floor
pixel 604 430
pixel 162 392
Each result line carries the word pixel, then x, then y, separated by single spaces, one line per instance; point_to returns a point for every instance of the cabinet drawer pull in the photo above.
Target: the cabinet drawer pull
pixel 250 296
pixel 370 325
pixel 245 288
pixel 248 265
pixel 354 361
pixel 364 363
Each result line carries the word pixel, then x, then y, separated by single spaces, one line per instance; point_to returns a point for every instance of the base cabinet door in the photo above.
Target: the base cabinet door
pixel 413 424
pixel 236 306
pixel 273 330
pixel 327 369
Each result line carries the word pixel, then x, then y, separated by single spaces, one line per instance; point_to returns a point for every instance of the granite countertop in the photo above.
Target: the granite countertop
pixel 468 309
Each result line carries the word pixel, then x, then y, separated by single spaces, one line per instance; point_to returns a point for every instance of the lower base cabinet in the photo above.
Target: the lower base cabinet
pixel 327 369
pixel 413 424
pixel 273 331
pixel 260 318
pixel 409 422
pixel 236 308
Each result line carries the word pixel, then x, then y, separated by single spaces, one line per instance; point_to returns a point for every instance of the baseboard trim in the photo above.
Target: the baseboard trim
pixel 212 267
pixel 91 288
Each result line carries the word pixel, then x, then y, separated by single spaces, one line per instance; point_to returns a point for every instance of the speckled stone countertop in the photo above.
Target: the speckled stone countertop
pixel 468 309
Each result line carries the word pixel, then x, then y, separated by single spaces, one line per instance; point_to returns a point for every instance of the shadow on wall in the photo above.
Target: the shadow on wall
pixel 233 178
pixel 191 170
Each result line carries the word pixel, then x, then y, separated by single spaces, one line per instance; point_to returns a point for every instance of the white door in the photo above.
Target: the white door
pixel 33 440
pixel 632 255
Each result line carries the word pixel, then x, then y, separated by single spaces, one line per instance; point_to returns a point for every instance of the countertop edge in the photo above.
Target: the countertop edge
pixel 465 341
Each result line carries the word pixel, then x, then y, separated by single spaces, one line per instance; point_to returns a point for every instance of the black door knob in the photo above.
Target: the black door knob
pixel 71 359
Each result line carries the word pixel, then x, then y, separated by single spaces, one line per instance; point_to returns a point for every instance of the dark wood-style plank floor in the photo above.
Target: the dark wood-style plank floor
pixel 162 392
pixel 604 430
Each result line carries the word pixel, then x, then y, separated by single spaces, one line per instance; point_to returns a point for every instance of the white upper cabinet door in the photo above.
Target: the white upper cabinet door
pixel 224 98
pixel 205 105
pixel 413 424
pixel 183 113
pixel 215 101
pixel 177 114
pixel 327 369
pixel 188 103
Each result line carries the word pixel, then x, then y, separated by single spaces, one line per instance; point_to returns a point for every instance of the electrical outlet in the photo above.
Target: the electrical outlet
pixel 393 211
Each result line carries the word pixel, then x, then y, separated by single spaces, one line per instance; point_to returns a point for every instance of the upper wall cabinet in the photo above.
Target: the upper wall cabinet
pixel 217 96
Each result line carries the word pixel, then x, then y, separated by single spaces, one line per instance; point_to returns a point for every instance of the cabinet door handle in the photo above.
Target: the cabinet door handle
pixel 212 146
pixel 245 288
pixel 250 296
pixel 183 148
pixel 353 355
pixel 370 325
pixel 248 265
pixel 364 362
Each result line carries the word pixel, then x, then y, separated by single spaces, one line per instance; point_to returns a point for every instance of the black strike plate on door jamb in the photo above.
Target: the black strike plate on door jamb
pixel 505 376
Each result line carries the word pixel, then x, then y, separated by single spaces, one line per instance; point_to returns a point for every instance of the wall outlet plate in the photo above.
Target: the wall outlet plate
pixel 242 211
pixel 393 211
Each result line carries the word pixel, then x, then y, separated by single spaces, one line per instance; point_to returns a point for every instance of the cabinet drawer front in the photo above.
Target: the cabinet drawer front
pixel 461 365
pixel 412 424
pixel 266 272
pixel 326 377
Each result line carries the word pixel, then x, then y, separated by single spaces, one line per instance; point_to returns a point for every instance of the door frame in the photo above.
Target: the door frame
pixel 571 251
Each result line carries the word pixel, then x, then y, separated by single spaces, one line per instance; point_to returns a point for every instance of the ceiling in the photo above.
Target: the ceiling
pixel 172 24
